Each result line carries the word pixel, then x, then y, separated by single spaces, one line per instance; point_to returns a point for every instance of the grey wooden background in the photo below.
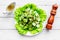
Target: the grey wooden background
pixel 8 31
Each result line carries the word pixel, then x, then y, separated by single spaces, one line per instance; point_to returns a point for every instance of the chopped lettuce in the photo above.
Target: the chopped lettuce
pixel 29 18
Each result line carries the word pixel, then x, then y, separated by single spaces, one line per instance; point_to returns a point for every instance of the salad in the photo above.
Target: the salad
pixel 29 18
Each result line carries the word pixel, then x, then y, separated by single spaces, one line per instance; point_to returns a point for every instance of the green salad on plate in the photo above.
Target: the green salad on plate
pixel 29 18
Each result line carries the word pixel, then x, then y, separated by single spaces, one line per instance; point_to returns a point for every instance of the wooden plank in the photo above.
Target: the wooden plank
pixel 13 35
pixel 22 2
pixel 46 8
pixel 9 23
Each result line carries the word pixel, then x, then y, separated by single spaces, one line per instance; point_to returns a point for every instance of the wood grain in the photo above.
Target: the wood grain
pixel 7 28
